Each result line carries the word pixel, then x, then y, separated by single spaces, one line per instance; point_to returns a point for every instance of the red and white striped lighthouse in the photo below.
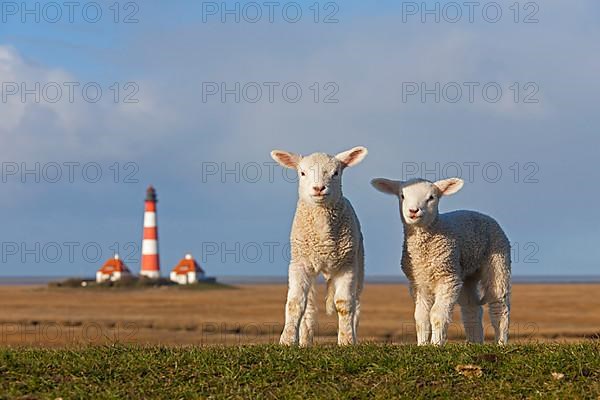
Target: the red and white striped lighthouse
pixel 150 261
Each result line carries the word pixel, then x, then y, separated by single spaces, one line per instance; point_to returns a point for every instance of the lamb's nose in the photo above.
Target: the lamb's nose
pixel 413 210
pixel 318 189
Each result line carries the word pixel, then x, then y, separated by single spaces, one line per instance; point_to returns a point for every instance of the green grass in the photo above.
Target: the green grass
pixel 274 372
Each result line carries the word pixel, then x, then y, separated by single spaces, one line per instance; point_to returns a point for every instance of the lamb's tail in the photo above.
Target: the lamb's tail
pixel 329 304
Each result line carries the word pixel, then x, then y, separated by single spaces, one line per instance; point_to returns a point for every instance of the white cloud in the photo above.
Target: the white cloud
pixel 52 127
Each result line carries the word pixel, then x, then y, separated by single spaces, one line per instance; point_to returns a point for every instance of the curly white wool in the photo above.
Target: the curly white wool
pixel 458 257
pixel 325 238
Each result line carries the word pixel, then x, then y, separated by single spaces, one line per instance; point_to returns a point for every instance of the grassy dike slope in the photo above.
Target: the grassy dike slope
pixel 269 371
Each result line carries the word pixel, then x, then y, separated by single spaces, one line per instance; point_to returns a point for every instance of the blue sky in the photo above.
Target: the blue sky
pixel 546 151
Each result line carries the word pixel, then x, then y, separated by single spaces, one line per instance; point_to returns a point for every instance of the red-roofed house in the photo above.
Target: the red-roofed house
pixel 113 270
pixel 187 271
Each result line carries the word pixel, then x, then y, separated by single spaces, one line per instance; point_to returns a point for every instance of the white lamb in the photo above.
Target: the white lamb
pixel 450 258
pixel 325 238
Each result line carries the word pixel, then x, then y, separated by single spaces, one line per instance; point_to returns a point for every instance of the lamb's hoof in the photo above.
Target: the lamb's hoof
pixel 286 340
pixel 474 341
pixel 346 341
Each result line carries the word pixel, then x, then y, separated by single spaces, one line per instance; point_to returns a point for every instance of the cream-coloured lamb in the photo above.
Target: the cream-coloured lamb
pixel 461 256
pixel 326 239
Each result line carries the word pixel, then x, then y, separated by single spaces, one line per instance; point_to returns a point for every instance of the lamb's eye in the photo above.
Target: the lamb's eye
pixel 431 198
pixel 402 196
pixel 302 173
pixel 335 173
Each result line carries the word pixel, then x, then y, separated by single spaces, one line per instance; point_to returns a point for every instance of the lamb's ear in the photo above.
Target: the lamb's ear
pixel 286 159
pixel 387 185
pixel 353 156
pixel 449 186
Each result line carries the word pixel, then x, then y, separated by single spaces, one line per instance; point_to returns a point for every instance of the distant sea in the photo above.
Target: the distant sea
pixel 374 279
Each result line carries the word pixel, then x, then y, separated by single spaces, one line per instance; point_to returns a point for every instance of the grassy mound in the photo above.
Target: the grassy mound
pixel 366 371
pixel 134 282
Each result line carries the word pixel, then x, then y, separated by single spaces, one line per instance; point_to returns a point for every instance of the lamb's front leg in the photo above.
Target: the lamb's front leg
pixel 309 320
pixel 299 285
pixel 423 303
pixel 440 316
pixel 345 305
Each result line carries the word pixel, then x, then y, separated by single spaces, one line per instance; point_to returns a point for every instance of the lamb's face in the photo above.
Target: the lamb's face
pixel 419 202
pixel 418 198
pixel 320 179
pixel 320 175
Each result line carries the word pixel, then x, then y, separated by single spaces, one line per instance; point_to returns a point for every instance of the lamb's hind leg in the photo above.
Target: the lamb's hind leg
pixel 472 312
pixel 309 320
pixel 496 286
pixel 500 317
pixel 360 278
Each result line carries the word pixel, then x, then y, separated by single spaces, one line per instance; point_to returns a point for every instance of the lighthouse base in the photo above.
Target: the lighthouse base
pixel 150 274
